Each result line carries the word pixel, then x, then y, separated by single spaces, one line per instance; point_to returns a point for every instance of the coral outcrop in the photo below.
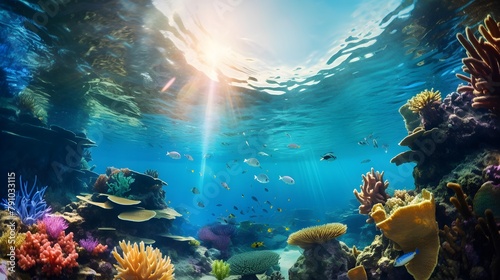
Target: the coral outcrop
pixel 410 227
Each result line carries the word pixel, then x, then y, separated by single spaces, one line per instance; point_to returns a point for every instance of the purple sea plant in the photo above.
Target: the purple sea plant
pixel 30 205
pixel 89 243
pixel 54 225
pixel 492 173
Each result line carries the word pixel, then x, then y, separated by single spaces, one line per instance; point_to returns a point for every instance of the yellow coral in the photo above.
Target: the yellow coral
pixel 425 98
pixel 411 227
pixel 141 263
pixel 308 237
pixel 7 241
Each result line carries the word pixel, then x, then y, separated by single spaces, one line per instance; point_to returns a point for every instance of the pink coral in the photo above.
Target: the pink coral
pixel 372 191
pixel 53 257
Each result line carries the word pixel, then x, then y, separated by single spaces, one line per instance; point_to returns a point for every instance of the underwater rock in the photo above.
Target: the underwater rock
pixel 327 261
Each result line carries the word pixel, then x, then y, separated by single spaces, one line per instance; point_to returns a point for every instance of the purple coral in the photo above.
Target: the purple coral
pixel 492 173
pixel 218 235
pixel 54 225
pixel 89 243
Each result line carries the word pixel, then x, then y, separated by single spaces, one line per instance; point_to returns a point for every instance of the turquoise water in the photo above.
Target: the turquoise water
pixel 225 80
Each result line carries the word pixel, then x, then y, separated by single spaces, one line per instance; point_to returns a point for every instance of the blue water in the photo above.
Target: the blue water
pixel 234 78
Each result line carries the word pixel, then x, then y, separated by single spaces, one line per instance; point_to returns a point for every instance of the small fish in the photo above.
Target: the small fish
pixel 288 135
pixel 362 143
pixel 269 230
pixel 246 142
pixel 261 178
pixel 255 199
pixel 404 259
pixel 366 160
pixel 287 180
pixel 218 205
pixel 195 190
pixel 208 155
pixel 375 144
pixel 257 244
pixel 174 155
pixel 279 209
pixel 287 228
pixel 385 147
pixel 328 157
pixel 252 162
pixel 243 172
pixel 224 143
pixel 242 213
pixel 265 210
pixel 189 157
pixel 242 195
pixel 231 216
pixel 225 185
pixel 268 202
pixel 253 216
pixel 235 208
pixel 263 154
pixel 293 146
pixel 201 204
pixel 266 189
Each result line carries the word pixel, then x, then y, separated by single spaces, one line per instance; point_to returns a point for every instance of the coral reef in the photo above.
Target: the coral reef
pixel 372 191
pixel 220 269
pixel 410 227
pixel 330 260
pixel 218 235
pixel 483 65
pixel 315 235
pixel 250 263
pixel 142 263
pixel 487 197
pixel 29 205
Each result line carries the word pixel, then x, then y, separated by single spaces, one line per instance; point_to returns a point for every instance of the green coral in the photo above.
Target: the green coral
pixel 220 269
pixel 253 262
pixel 6 241
pixel 120 184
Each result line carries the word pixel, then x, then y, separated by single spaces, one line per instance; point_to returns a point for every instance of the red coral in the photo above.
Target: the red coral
pixel 100 184
pixel 99 249
pixel 54 258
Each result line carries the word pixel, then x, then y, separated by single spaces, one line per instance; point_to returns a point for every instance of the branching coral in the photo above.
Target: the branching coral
pixel 220 269
pixel 142 263
pixel 459 200
pixel 29 205
pixel 372 191
pixel 483 64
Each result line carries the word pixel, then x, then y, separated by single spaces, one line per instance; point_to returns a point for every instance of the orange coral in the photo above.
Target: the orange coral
pixel 100 184
pixel 482 64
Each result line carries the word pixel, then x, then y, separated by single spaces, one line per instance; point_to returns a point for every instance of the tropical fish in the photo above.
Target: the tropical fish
pixel 218 205
pixel 385 147
pixel 231 216
pixel 195 190
pixel 362 143
pixel 252 162
pixel 235 208
pixel 242 213
pixel 266 189
pixel 269 230
pixel 293 146
pixel 189 157
pixel 261 178
pixel 174 155
pixel 328 157
pixel 287 180
pixel 207 155
pixel 404 259
pixel 366 160
pixel 265 210
pixel 263 154
pixel 255 199
pixel 225 185
pixel 246 142
pixel 287 228
pixel 279 209
pixel 375 144
pixel 268 202
pixel 257 244
pixel 201 204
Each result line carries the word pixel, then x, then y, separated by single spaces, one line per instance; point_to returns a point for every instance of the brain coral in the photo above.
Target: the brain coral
pixel 252 262
pixel 310 236
pixel 141 263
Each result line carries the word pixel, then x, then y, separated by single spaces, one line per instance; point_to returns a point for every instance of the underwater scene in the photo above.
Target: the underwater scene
pixel 238 139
